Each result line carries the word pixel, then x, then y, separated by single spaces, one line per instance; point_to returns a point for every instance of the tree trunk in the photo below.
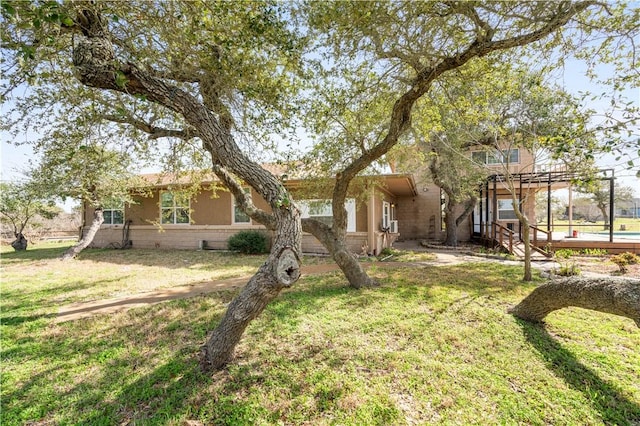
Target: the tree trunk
pixel 524 222
pixel 338 250
pixel 20 243
pixel 527 251
pixel 605 215
pixel 451 227
pixel 282 269
pixel 613 295
pixel 87 238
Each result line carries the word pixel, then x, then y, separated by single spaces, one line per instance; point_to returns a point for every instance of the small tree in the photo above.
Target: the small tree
pixel 80 166
pixel 20 203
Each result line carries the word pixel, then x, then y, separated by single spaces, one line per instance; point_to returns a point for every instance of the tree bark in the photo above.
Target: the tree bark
pixel 451 225
pixel 339 252
pixel 605 215
pixel 20 243
pixel 87 238
pixel 613 295
pixel 281 270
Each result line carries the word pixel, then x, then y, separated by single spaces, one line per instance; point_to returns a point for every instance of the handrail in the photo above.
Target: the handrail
pixel 547 246
pixel 500 237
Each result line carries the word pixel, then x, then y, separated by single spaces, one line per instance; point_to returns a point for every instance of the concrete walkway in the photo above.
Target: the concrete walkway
pixel 105 306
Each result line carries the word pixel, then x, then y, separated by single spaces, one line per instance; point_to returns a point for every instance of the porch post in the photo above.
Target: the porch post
pixel 487 210
pixel 520 206
pixel 371 227
pixel 549 204
pixel 611 206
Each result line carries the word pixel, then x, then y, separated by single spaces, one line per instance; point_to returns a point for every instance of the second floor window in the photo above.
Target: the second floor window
pixel 511 156
pixel 174 208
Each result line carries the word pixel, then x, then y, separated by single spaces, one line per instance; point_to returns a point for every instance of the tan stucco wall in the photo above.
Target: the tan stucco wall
pixel 414 213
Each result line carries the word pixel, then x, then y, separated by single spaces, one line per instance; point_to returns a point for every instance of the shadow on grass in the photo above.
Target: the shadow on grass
pixel 613 406
pixel 34 253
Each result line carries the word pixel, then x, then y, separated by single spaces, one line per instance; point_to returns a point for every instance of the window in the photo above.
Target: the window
pixel 505 210
pixel 174 208
pixel 239 216
pixel 323 211
pixel 113 216
pixel 113 212
pixel 512 156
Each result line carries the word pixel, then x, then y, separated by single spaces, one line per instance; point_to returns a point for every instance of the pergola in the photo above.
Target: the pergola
pixel 489 191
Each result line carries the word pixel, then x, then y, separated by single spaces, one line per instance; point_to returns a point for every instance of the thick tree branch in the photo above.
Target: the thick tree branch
pixel 613 295
pixel 243 200
pixel 400 119
pixel 153 131
pixel 96 66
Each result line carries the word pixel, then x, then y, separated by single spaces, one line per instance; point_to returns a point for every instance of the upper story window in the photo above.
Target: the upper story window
pixel 510 156
pixel 240 217
pixel 174 208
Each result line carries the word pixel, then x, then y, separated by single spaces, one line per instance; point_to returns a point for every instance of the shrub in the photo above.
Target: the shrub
pixel 565 253
pixel 567 267
pixel 594 252
pixel 249 242
pixel 625 259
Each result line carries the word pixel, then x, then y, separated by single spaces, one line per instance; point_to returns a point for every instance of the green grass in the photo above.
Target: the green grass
pixel 630 225
pixel 431 345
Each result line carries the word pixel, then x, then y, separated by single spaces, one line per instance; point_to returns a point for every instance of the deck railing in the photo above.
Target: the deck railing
pixel 541 245
pixel 502 235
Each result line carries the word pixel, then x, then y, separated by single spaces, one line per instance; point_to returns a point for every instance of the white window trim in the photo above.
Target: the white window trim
pixel 490 158
pixel 350 206
pixel 511 209
pixel 233 209
pixel 113 210
pixel 174 208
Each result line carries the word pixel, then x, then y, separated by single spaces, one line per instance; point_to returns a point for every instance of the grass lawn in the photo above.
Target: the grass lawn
pixel 629 225
pixel 433 344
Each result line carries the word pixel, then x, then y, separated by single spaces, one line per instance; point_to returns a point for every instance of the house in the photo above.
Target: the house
pixel 628 208
pixel 386 208
pixel 165 217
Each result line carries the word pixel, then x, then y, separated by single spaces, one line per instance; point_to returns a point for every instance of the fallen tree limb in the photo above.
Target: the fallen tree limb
pixel 613 295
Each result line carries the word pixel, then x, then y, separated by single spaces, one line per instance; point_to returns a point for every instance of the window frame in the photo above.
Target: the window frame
pixel 510 209
pixel 497 157
pixel 111 212
pixel 174 208
pixel 235 209
pixel 350 206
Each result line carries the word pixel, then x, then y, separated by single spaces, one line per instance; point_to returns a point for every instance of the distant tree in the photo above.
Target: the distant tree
pixel 20 203
pixel 599 192
pixel 78 165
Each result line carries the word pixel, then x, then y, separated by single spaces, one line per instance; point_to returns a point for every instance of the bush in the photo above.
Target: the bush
pixel 249 242
pixel 623 260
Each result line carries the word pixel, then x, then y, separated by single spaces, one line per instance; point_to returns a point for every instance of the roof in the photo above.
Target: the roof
pixel 396 183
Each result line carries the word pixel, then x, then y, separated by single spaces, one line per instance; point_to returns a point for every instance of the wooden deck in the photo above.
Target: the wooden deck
pixel 617 246
pixel 544 243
